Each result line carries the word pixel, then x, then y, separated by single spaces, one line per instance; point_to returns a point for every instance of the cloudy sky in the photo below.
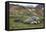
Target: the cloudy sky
pixel 23 4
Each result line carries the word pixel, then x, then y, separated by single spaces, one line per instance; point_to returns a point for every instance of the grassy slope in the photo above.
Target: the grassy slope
pixel 14 25
pixel 23 11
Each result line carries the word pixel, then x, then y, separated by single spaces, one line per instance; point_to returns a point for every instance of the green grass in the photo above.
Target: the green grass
pixel 14 25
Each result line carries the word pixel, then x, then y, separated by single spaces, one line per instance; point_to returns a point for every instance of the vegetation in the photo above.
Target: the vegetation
pixel 19 14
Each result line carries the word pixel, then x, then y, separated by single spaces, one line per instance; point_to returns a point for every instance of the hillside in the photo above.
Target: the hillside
pixel 18 15
pixel 25 10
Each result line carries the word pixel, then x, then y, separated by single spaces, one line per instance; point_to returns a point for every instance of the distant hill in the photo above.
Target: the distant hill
pixel 40 9
pixel 18 9
pixel 40 6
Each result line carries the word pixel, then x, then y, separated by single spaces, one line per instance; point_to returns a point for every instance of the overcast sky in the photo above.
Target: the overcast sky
pixel 23 4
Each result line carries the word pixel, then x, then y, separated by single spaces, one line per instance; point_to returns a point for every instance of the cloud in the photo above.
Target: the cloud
pixel 25 4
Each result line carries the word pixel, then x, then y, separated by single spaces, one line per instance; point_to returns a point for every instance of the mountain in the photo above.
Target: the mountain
pixel 30 10
pixel 16 9
pixel 40 9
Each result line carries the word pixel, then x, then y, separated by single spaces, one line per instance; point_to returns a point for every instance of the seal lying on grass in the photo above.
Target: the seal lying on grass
pixel 32 20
